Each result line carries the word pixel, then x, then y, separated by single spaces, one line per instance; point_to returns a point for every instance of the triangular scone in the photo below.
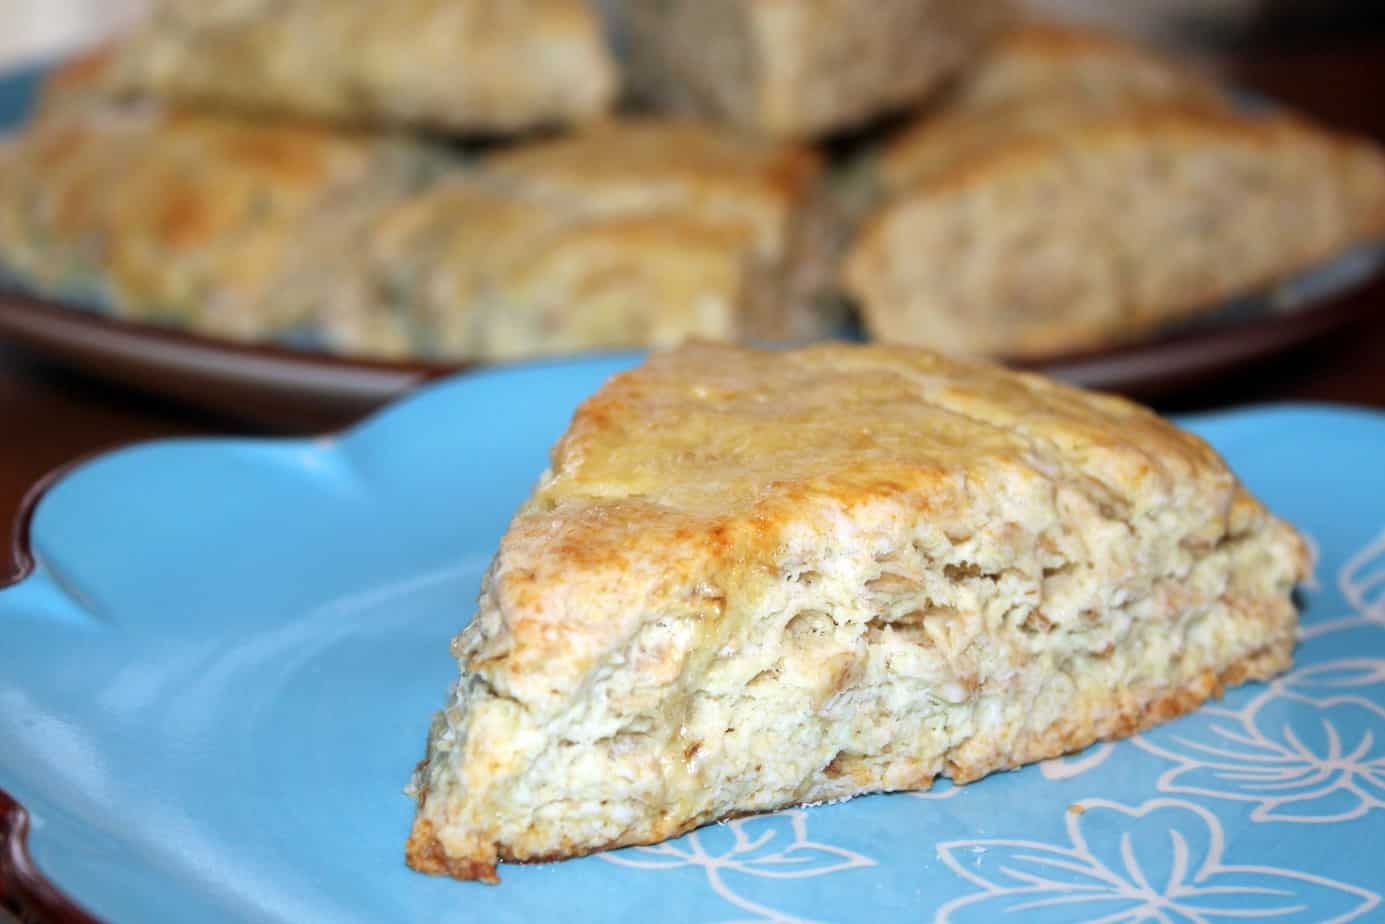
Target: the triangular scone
pixel 473 271
pixel 1067 241
pixel 753 579
pixel 632 233
pixel 208 222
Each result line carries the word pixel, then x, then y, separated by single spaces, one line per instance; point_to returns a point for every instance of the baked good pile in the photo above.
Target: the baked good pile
pixel 474 180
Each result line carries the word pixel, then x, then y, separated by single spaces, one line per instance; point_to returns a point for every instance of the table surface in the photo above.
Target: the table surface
pixel 50 417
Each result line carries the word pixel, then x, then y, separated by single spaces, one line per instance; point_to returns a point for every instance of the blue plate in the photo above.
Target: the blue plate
pixel 219 676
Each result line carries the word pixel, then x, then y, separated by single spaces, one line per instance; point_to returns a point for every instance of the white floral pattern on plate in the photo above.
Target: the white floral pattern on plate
pixel 1308 750
pixel 1361 582
pixel 767 846
pixel 1158 862
pixel 1065 768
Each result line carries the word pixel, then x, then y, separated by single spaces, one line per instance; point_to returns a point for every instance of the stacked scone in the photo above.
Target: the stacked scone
pixel 489 179
pixel 446 178
pixel 1074 191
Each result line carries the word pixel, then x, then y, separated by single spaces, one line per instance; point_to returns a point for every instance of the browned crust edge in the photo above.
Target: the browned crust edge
pixel 1134 714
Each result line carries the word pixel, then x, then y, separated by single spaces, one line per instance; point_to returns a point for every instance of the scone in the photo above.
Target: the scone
pixel 636 234
pixel 1049 58
pixel 459 66
pixel 469 270
pixel 1076 239
pixel 631 233
pixel 1038 79
pixel 800 68
pixel 86 79
pixel 713 175
pixel 198 220
pixel 955 136
pixel 756 579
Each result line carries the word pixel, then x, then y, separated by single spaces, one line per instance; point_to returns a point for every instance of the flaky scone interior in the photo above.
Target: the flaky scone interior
pixel 757 579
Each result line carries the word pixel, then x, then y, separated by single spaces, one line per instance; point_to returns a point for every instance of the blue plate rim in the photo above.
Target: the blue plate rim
pixel 28 890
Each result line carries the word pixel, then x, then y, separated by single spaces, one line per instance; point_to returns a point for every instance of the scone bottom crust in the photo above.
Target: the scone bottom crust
pixel 658 647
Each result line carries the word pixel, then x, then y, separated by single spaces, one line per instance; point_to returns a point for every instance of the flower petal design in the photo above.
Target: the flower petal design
pixel 1022 866
pixel 804 861
pixel 1154 849
pixel 774 846
pixel 1302 758
pixel 942 788
pixel 1257 892
pixel 1362 580
pixel 1160 861
pixel 746 838
pixel 1065 768
pixel 660 856
pixel 777 847
pixel 1041 907
pixel 1336 675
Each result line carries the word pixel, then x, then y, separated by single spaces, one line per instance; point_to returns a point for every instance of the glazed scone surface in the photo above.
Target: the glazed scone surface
pixel 466 66
pixel 756 579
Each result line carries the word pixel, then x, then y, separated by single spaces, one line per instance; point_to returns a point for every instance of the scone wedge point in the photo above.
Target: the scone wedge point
pixel 756 579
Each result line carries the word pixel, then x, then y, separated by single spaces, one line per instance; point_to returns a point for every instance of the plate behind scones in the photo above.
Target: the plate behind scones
pixel 221 670
pixel 284 386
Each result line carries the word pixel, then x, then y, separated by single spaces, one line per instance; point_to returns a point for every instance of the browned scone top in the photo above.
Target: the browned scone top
pixel 1092 230
pixel 633 233
pixel 464 66
pixel 1039 58
pixel 752 579
pixel 160 213
pixel 86 78
pixel 958 135
pixel 801 68
pixel 1037 80
pixel 723 175
pixel 630 233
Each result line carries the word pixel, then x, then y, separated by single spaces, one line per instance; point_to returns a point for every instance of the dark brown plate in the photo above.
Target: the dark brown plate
pixel 287 388
pixel 283 388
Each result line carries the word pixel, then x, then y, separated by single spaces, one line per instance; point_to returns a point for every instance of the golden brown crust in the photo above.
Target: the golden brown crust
pixel 715 175
pixel 470 66
pixel 636 234
pixel 87 78
pixel 801 68
pixel 631 233
pixel 960 143
pixel 1039 58
pixel 754 579
pixel 1134 714
pixel 158 213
